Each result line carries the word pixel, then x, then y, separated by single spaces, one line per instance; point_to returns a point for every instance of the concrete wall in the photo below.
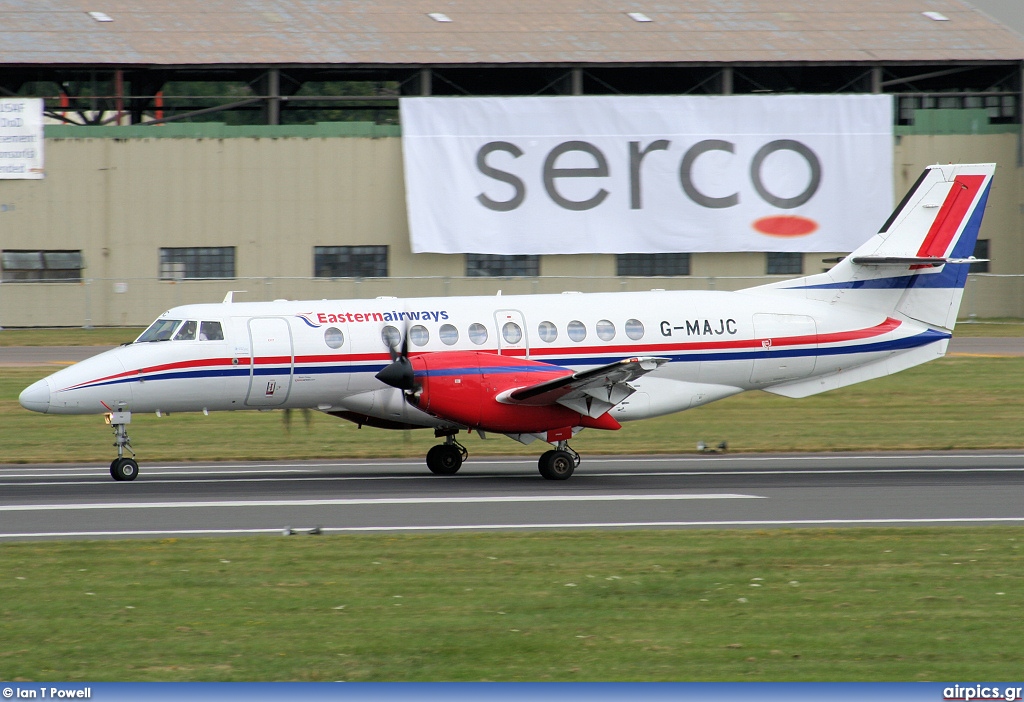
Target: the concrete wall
pixel 120 200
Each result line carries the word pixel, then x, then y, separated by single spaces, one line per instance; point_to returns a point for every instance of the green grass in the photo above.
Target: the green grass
pixel 952 403
pixel 857 604
pixel 990 327
pixel 69 336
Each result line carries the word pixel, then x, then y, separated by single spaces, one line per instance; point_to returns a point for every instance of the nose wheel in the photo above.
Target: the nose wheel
pixel 122 468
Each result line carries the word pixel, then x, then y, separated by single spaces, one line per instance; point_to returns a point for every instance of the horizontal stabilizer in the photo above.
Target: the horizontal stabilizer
pixel 912 260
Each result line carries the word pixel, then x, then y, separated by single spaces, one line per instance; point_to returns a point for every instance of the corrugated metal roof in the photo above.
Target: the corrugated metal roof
pixel 400 32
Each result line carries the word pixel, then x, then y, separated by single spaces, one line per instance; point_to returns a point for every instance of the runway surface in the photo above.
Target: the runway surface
pixel 659 492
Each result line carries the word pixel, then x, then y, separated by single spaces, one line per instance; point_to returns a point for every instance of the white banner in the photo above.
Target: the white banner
pixel 560 175
pixel 21 138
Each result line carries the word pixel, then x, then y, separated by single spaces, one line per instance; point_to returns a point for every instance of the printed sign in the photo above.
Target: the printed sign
pixel 561 175
pixel 21 138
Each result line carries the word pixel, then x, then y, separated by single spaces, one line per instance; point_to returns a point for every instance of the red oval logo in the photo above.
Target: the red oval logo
pixel 785 225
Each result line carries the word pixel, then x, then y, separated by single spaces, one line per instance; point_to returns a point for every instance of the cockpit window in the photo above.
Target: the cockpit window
pixel 160 330
pixel 210 331
pixel 187 331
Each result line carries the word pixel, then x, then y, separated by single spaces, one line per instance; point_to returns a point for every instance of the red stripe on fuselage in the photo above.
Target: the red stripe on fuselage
pixel 820 339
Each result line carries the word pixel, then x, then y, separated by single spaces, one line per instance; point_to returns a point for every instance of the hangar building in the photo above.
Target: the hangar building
pixel 193 148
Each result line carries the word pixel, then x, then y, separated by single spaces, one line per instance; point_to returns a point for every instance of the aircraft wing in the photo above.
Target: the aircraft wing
pixel 591 392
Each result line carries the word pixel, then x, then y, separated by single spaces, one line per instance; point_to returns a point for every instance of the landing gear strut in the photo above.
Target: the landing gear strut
pixel 559 463
pixel 122 468
pixel 446 458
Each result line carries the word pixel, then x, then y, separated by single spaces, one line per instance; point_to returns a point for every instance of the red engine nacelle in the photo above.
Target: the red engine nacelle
pixel 462 387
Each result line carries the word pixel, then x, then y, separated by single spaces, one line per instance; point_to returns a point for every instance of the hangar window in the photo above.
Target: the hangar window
pixel 548 332
pixel 980 251
pixel 477 333
pixel 185 263
pixel 652 264
pixel 497 266
pixel 577 330
pixel 350 261
pixel 448 334
pixel 42 266
pixel 634 329
pixel 785 263
pixel 419 335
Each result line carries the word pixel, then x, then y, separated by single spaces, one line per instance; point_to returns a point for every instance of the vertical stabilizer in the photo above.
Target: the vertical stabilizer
pixel 916 266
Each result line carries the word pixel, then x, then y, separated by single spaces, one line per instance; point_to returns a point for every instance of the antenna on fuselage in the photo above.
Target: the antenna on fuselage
pixel 229 298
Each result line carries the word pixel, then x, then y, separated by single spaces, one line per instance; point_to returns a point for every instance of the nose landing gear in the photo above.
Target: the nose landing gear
pixel 122 468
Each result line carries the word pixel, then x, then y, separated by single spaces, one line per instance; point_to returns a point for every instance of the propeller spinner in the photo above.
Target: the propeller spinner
pixel 399 373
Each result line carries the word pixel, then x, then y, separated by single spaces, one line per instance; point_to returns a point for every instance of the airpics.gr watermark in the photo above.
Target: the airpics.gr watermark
pixel 981 692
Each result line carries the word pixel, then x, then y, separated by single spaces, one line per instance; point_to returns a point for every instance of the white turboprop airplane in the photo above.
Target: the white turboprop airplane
pixel 546 366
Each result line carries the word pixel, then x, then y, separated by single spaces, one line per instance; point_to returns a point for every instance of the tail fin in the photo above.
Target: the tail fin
pixel 916 266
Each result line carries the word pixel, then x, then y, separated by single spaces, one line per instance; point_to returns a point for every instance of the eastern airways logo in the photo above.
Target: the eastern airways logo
pixel 318 319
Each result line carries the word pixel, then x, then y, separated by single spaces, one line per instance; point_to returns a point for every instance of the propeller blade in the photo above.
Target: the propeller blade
pixel 399 373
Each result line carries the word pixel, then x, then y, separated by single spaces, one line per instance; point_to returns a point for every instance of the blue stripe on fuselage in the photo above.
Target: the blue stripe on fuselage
pixel 930 336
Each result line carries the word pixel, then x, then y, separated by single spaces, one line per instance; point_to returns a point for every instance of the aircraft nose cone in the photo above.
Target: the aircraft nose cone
pixel 36 397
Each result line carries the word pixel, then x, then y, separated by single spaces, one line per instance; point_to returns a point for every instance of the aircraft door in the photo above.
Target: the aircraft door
pixel 513 334
pixel 273 360
pixel 788 347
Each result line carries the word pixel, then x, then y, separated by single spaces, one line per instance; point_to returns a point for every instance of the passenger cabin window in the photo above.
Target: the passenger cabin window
pixel 634 329
pixel 419 335
pixel 548 332
pixel 211 331
pixel 160 330
pixel 605 330
pixel 187 331
pixel 391 337
pixel 477 333
pixel 333 337
pixel 449 334
pixel 577 330
pixel 512 333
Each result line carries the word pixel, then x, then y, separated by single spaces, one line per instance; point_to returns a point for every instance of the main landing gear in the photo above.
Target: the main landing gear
pixel 559 463
pixel 446 458
pixel 122 468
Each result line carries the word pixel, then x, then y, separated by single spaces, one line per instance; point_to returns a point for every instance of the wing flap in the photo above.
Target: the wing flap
pixel 591 392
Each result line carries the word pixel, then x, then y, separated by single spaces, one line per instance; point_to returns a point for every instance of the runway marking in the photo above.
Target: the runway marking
pixel 517 527
pixel 101 477
pixel 257 468
pixel 374 501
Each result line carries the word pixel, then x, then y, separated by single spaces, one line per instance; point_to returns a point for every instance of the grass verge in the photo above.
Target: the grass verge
pixel 856 604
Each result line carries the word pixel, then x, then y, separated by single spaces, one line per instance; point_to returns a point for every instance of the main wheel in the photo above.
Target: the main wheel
pixel 444 459
pixel 556 465
pixel 124 469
